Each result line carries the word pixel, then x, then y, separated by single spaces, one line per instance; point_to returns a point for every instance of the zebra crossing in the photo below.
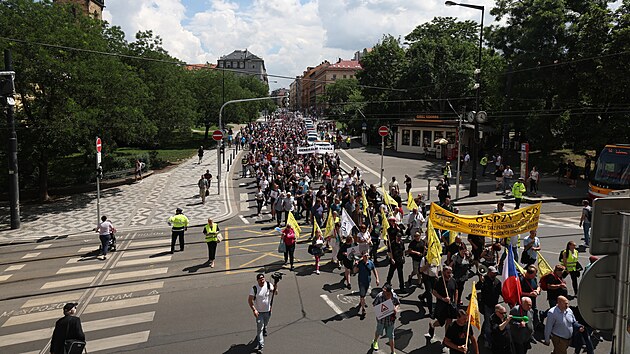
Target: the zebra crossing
pixel 103 307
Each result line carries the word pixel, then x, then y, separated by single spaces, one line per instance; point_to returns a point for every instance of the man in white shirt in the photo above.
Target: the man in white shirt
pixel 260 301
pixel 105 233
pixel 508 174
pixel 394 185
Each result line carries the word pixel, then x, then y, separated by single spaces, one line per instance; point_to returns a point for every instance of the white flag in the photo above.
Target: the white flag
pixel 346 224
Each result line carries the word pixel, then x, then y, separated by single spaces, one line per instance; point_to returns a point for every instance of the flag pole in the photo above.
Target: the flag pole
pixel 468 329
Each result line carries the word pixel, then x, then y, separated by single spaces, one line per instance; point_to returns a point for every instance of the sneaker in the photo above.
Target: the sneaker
pixel 317 272
pixel 264 332
pixel 375 345
pixel 431 331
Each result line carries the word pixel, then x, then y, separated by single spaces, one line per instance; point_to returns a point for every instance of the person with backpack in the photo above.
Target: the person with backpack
pixel 585 221
pixel 68 336
pixel 569 259
pixel 260 301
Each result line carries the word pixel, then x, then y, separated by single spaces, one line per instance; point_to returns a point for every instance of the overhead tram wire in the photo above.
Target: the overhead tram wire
pixel 181 63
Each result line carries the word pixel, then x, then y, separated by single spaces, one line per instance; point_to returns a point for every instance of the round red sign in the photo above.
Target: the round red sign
pixel 98 145
pixel 383 131
pixel 217 135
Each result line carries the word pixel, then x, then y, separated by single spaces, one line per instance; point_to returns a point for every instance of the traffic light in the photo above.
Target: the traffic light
pixel 7 87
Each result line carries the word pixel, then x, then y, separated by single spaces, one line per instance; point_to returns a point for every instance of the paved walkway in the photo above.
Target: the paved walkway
pixel 145 204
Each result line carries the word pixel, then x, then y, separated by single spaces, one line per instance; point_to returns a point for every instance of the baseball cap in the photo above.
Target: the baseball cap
pixel 492 269
pixel 69 306
pixel 259 276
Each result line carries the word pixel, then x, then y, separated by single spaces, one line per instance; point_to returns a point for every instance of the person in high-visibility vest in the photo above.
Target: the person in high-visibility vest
pixel 518 189
pixel 211 230
pixel 179 224
pixel 484 164
pixel 570 261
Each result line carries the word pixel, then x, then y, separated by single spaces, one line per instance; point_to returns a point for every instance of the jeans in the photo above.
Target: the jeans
pixel 486 327
pixel 507 184
pixel 104 243
pixel 261 325
pixel 586 226
pixel 288 254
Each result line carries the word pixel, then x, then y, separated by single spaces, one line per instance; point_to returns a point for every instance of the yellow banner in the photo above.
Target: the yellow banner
pixel 474 316
pixel 496 225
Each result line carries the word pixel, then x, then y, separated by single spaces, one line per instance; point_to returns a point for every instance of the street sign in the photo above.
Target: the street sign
pixel 607 224
pixel 98 144
pixel 597 293
pixel 217 135
pixel 98 158
pixel 383 131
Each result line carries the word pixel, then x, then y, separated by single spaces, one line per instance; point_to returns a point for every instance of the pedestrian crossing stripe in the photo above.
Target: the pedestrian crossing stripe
pixel 5 277
pixel 143 261
pixel 14 267
pixel 83 268
pixel 137 274
pixel 144 252
pixel 53 300
pixel 67 282
pixel 129 288
pixel 89 326
pixel 121 304
pixel 151 242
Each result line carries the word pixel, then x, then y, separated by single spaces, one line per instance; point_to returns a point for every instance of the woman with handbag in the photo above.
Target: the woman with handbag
pixel 213 236
pixel 317 248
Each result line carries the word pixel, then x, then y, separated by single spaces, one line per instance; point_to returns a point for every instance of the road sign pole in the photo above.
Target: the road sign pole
pixel 623 287
pixel 382 153
pixel 12 146
pixel 98 180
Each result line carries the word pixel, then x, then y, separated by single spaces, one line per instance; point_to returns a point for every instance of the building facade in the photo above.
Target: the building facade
pixel 244 62
pixel 93 8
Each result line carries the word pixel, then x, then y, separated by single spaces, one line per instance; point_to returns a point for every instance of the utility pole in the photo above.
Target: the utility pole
pixel 7 90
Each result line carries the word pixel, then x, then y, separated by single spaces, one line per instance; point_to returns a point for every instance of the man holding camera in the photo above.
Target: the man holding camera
pixel 260 301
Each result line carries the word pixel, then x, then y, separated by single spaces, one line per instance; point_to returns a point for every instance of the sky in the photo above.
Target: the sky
pixel 289 35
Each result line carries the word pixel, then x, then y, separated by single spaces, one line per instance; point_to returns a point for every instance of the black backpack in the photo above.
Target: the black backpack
pixel 256 291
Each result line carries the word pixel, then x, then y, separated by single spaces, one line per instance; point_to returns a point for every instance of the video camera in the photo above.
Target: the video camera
pixel 277 276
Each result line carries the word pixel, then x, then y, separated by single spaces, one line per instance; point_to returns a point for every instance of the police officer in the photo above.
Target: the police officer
pixel 179 223
pixel 211 230
pixel 518 189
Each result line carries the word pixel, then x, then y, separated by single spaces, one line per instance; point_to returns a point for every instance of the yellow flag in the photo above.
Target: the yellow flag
pixel 293 223
pixel 387 198
pixel 434 253
pixel 385 225
pixel 411 204
pixel 330 224
pixel 316 228
pixel 474 316
pixel 543 267
pixel 451 237
pixel 365 203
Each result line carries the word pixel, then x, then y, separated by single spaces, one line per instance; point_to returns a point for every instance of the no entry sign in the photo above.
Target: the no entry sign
pixel 98 145
pixel 383 131
pixel 217 135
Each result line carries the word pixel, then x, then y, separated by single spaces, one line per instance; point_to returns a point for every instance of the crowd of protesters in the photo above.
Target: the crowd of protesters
pixel 318 191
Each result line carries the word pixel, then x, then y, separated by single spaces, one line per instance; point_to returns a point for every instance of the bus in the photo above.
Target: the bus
pixel 612 171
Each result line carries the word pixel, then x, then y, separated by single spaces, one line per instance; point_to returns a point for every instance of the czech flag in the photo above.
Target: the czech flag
pixel 511 290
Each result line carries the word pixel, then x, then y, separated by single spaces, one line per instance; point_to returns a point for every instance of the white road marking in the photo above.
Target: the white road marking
pixel 40 247
pixel 333 306
pixel 5 277
pixel 129 288
pixel 243 219
pixel 243 197
pixel 118 341
pixel 68 282
pixel 144 252
pixel 15 267
pixel 87 249
pixel 119 321
pixel 143 261
pixel 32 317
pixel 83 268
pixel 151 243
pixel 31 255
pixel 362 166
pixel 137 274
pixel 53 300
pixel 121 304
pixel 25 337
pixel 244 206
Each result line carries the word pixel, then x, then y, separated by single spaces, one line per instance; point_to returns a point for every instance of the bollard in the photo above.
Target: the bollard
pixel 429 190
pixel 228 165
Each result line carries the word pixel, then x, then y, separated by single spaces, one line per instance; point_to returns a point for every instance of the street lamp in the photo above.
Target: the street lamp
pixel 475 145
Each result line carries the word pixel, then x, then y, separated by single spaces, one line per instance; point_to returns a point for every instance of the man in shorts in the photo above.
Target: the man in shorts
pixel 386 323
pixel 365 268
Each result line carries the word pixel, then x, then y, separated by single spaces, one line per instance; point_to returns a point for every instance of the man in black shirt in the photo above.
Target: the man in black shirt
pixel 500 331
pixel 445 292
pixel 455 338
pixel 555 285
pixel 490 290
pixel 67 327
pixel 416 250
pixel 396 255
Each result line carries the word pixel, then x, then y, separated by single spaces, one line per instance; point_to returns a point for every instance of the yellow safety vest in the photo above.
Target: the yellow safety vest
pixel 484 161
pixel 211 233
pixel 572 260
pixel 179 222
pixel 518 189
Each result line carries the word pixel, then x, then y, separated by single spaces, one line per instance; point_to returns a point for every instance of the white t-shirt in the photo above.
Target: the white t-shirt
pixel 363 236
pixel 262 298
pixel 105 228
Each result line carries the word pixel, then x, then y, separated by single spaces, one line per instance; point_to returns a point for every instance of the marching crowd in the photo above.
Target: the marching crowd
pixel 358 223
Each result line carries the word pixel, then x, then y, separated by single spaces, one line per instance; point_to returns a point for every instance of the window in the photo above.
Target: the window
pixel 235 64
pixel 227 64
pixel 220 64
pixel 344 76
pixel 254 66
pixel 334 77
pixel 426 139
pixel 241 65
pixel 405 136
pixel 415 138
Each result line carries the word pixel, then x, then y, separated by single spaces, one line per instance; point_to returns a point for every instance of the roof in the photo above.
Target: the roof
pixel 346 64
pixel 241 55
